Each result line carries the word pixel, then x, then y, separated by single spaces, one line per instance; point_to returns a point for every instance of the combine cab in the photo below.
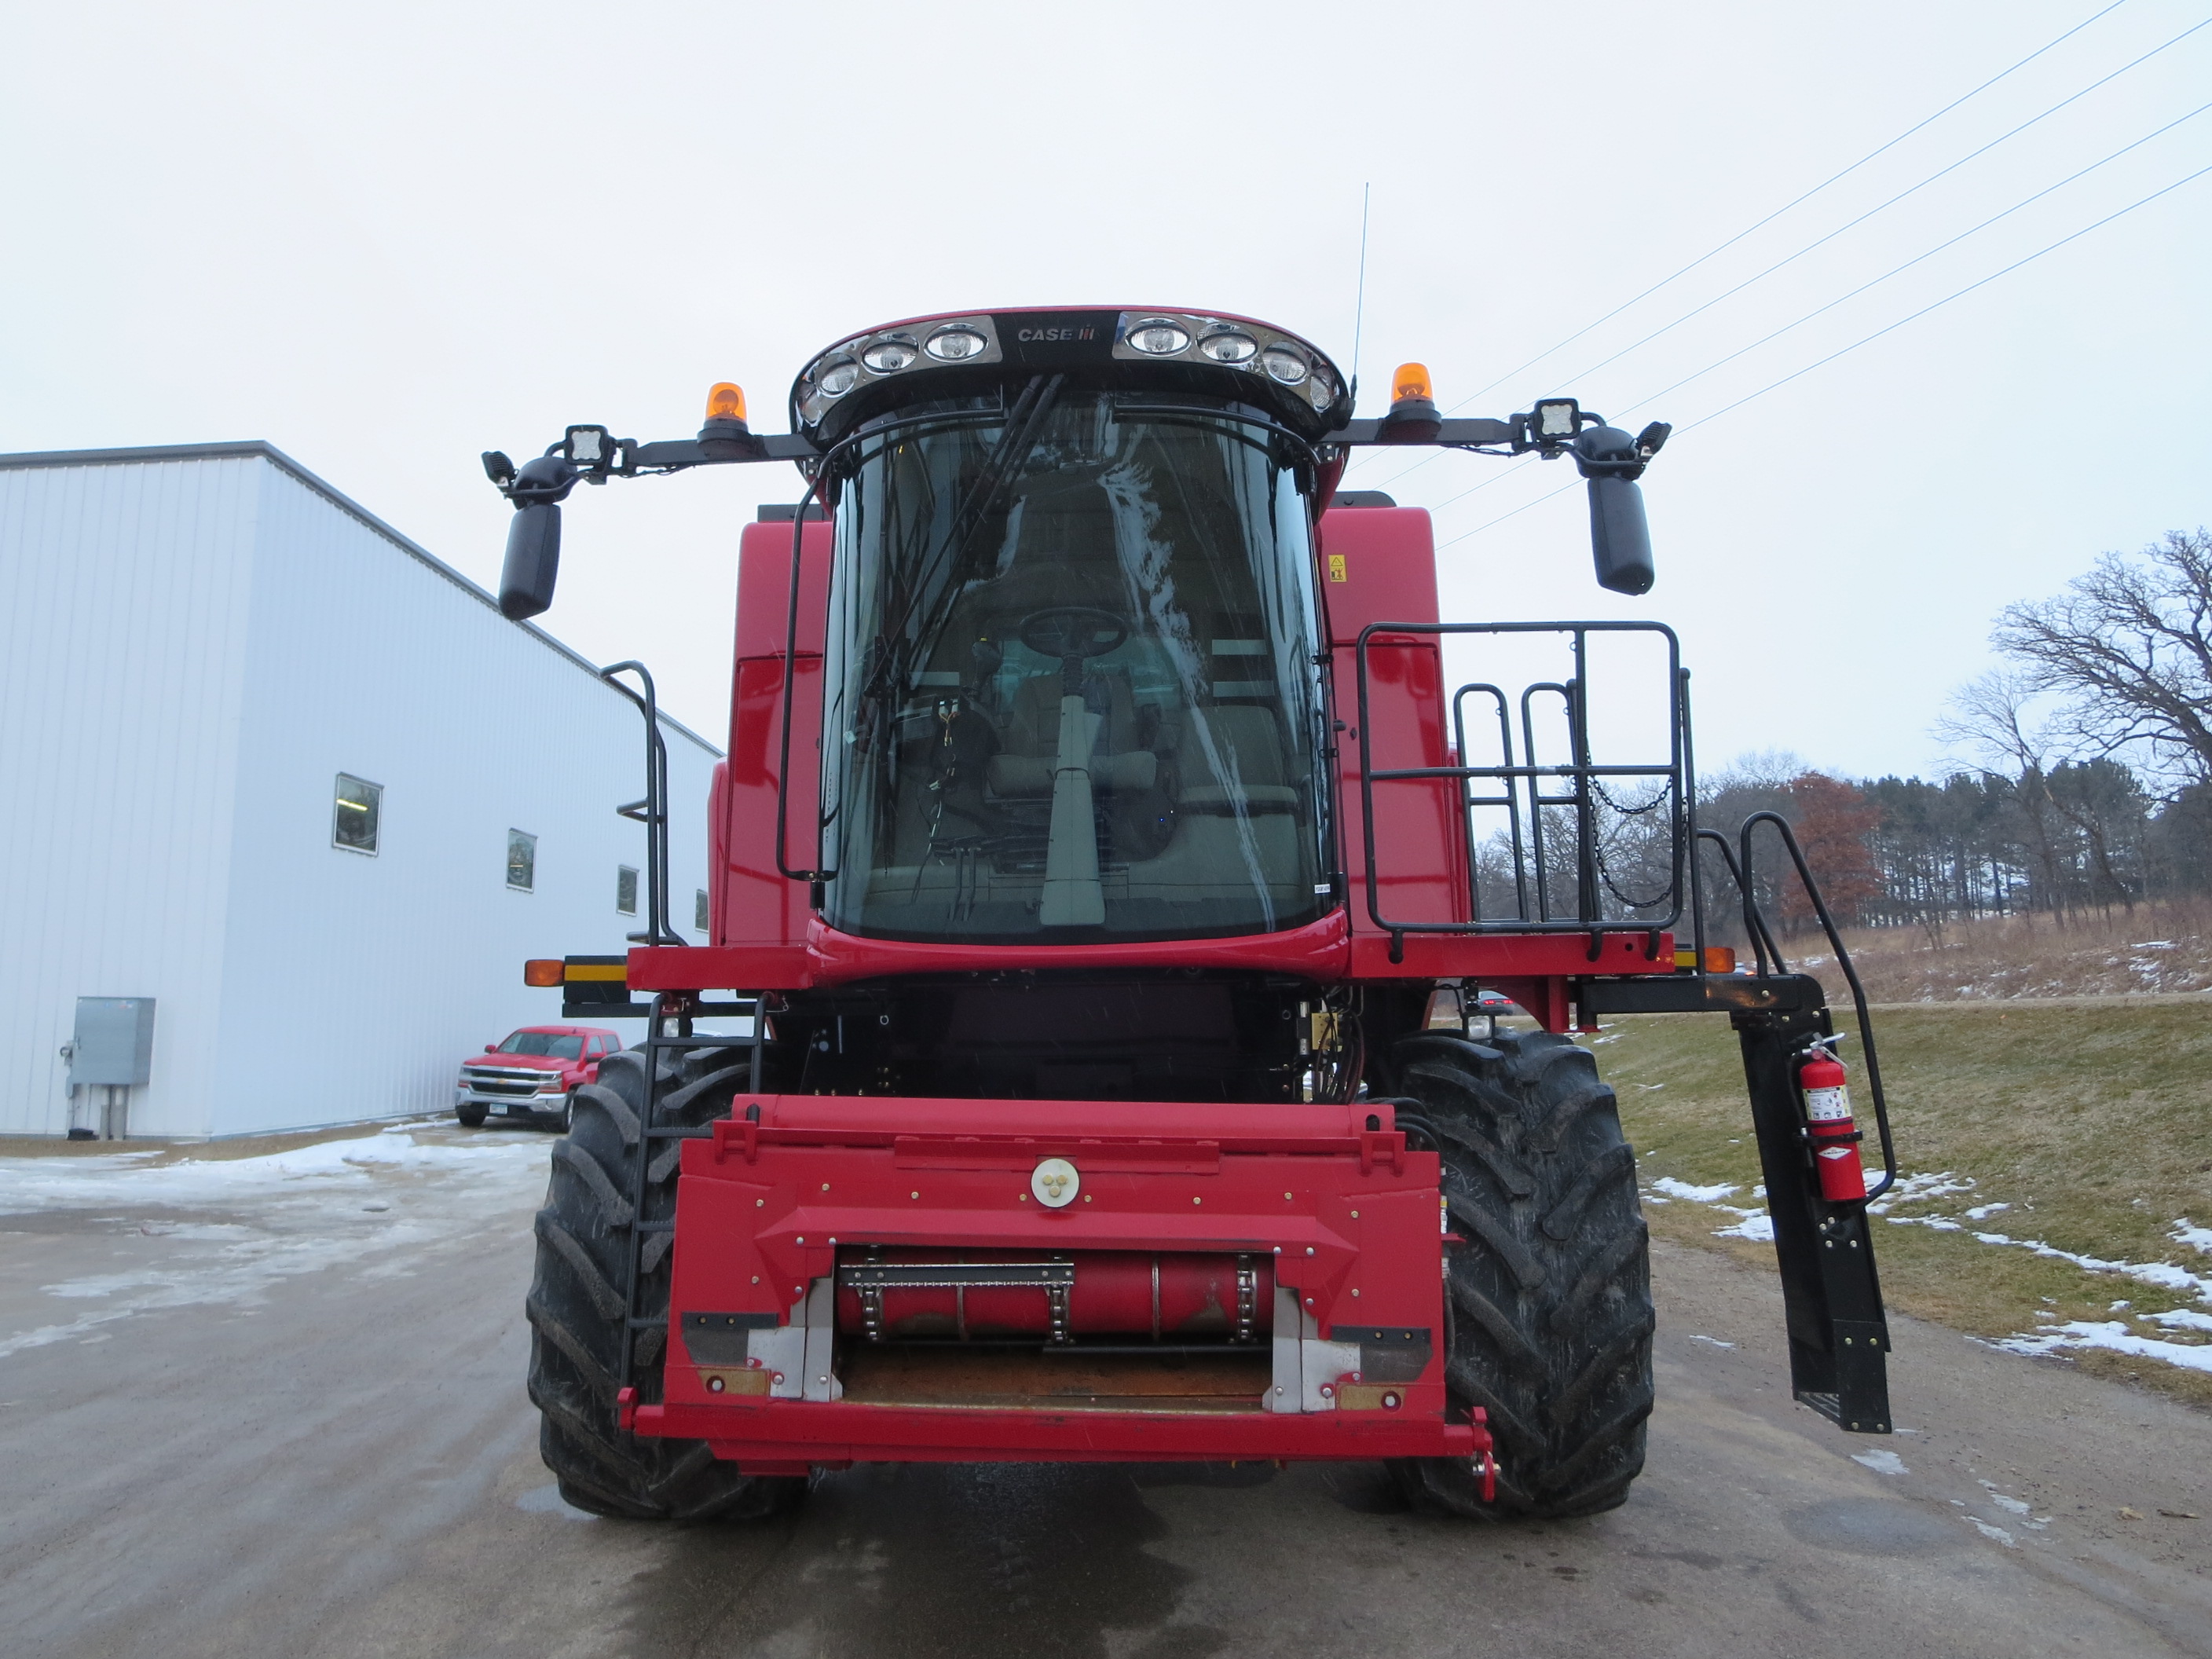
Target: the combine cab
pixel 1121 901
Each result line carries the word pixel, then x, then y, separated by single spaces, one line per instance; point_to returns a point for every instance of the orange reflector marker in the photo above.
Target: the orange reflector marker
pixel 1719 959
pixel 1411 382
pixel 726 402
pixel 541 971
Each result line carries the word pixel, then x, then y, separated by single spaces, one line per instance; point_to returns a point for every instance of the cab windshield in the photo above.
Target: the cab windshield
pixel 1070 689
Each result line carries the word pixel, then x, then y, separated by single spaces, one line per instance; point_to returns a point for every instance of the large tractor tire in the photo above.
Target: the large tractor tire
pixel 1548 1300
pixel 576 1311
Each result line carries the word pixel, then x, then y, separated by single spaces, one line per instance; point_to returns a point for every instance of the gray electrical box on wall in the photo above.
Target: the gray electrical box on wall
pixel 114 1041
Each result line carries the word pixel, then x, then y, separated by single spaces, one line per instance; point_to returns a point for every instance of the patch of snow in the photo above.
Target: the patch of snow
pixel 275 1217
pixel 1715 1340
pixel 1913 1188
pixel 1759 1229
pixel 1996 1534
pixel 2112 1336
pixel 2122 1302
pixel 1984 1212
pixel 1674 1188
pixel 2177 1319
pixel 2197 1238
pixel 44 1183
pixel 2153 945
pixel 1882 1462
pixel 2164 1274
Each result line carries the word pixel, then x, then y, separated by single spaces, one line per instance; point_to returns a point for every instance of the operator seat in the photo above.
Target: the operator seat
pixel 1022 767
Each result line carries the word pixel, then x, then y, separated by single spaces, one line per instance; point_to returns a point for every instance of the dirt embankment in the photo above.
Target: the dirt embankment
pixel 2151 950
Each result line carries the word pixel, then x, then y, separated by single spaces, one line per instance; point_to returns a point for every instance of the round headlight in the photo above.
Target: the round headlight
pixel 1159 337
pixel 836 381
pixel 956 344
pixel 1284 364
pixel 1228 345
pixel 1321 390
pixel 888 356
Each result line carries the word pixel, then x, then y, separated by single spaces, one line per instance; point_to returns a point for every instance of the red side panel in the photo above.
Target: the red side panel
pixel 755 906
pixel 1378 564
pixel 718 848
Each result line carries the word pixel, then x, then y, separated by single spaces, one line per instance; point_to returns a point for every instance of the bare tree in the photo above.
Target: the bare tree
pixel 1988 719
pixel 2072 814
pixel 2127 650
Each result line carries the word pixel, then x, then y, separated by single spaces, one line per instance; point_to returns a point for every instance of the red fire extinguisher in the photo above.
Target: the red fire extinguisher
pixel 1821 1080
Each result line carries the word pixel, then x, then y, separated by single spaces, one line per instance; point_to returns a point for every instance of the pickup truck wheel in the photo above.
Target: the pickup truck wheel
pixel 565 1119
pixel 1547 1303
pixel 575 1309
pixel 471 1117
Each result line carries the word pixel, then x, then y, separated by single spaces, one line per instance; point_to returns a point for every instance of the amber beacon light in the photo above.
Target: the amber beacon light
pixel 1413 418
pixel 726 402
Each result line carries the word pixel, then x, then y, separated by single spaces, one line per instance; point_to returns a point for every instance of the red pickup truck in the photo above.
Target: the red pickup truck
pixel 531 1074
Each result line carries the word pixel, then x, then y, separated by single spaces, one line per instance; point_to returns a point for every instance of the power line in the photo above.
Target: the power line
pixel 1548 495
pixel 1822 241
pixel 1795 201
pixel 1868 339
pixel 1501 475
pixel 1800 200
pixel 1918 258
pixel 1946 299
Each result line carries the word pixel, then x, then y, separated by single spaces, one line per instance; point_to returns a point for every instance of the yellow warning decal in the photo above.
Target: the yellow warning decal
pixel 1336 566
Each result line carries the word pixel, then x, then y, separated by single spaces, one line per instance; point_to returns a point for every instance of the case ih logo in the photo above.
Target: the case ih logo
pixel 1058 338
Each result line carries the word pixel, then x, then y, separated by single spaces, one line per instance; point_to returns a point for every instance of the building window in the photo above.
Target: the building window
pixel 359 807
pixel 699 911
pixel 626 890
pixel 521 860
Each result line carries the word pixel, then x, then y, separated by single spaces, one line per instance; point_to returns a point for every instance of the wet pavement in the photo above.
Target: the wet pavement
pixel 280 1411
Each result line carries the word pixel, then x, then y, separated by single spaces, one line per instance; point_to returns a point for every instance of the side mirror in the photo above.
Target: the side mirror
pixel 1620 540
pixel 533 561
pixel 491 1048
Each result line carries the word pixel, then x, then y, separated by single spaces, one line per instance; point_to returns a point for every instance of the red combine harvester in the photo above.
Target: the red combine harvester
pixel 1102 859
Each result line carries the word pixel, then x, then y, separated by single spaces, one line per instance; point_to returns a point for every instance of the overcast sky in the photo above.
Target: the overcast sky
pixel 386 238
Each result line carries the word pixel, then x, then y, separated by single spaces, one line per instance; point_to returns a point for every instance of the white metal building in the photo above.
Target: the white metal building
pixel 266 762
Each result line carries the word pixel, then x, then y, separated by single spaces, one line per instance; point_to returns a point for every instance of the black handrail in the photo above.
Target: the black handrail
pixel 1754 919
pixel 653 811
pixel 1851 977
pixel 1510 800
pixel 1580 772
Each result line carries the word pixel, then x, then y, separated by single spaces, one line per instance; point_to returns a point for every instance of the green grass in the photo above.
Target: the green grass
pixel 2095 1124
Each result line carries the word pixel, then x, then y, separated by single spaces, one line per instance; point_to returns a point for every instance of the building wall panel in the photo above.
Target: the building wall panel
pixel 355 985
pixel 191 650
pixel 124 597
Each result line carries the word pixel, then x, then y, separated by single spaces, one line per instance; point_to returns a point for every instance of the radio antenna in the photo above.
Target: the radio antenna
pixel 1359 298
